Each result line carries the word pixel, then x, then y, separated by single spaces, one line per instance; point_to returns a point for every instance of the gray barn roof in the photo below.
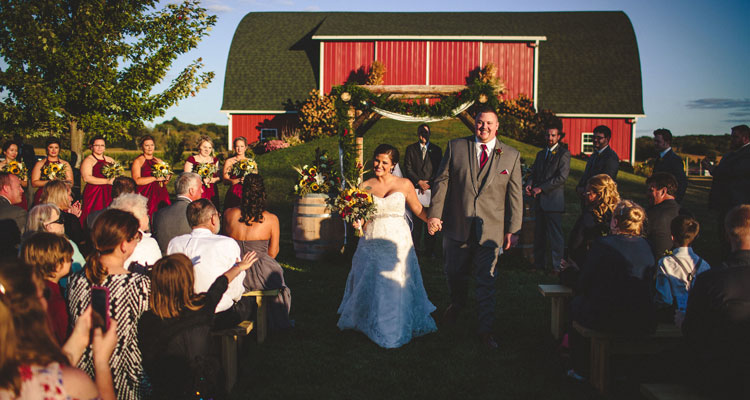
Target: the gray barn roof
pixel 589 63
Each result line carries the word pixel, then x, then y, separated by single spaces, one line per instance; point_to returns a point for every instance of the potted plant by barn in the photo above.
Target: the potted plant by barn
pixel 316 231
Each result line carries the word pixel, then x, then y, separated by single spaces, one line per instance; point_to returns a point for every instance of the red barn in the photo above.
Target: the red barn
pixel 583 66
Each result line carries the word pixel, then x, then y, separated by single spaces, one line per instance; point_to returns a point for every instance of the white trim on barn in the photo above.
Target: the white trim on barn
pixel 259 111
pixel 321 66
pixel 436 37
pixel 536 74
pixel 632 142
pixel 229 132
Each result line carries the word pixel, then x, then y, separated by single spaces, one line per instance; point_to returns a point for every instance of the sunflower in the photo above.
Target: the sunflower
pixel 314 186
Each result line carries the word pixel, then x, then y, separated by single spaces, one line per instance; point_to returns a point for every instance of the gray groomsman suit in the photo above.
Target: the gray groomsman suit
pixel 170 222
pixel 471 203
pixel 549 173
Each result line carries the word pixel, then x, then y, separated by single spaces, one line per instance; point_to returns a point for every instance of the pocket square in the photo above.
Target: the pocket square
pixel 504 172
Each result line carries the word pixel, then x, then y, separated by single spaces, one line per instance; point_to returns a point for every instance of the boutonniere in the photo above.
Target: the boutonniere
pixel 498 152
pixel 667 253
pixel 554 152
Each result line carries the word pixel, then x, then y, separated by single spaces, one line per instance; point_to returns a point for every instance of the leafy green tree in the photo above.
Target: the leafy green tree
pixel 91 65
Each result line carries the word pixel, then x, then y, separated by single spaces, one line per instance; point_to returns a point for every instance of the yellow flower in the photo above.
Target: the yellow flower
pixel 314 186
pixel 302 183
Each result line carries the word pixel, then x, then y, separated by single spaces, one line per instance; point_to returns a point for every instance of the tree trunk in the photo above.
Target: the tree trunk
pixel 76 141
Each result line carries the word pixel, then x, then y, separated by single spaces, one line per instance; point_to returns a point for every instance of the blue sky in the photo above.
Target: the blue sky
pixel 695 55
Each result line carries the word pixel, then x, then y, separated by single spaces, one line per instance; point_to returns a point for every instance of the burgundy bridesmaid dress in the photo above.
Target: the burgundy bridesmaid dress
pixel 96 197
pixel 157 195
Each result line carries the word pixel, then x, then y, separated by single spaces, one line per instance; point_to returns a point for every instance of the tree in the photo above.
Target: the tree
pixel 91 65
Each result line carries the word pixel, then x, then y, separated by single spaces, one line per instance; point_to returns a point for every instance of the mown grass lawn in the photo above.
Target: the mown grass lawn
pixel 316 360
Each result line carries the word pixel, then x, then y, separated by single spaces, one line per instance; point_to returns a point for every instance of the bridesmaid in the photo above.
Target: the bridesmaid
pixel 98 191
pixel 205 155
pixel 234 194
pixel 153 188
pixel 52 147
pixel 10 151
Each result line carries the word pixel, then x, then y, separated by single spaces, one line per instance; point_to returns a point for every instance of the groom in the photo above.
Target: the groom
pixel 478 173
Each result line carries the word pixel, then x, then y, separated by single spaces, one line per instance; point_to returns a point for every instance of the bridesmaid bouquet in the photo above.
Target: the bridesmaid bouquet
pixel 161 170
pixel 354 205
pixel 16 168
pixel 244 167
pixel 113 170
pixel 53 171
pixel 205 170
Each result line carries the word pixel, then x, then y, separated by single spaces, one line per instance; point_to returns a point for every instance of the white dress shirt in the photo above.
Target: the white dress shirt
pixel 490 148
pixel 147 251
pixel 665 151
pixel 212 255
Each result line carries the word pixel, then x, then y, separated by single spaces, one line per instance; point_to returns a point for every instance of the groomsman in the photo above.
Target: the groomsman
pixel 547 187
pixel 420 166
pixel 668 161
pixel 603 160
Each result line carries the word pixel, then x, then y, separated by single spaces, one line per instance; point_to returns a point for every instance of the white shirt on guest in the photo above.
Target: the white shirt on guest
pixel 146 252
pixel 490 148
pixel 212 256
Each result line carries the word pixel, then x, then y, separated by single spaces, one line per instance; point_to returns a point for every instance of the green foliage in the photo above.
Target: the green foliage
pixel 519 120
pixel 699 145
pixel 190 133
pixel 92 64
pixel 174 149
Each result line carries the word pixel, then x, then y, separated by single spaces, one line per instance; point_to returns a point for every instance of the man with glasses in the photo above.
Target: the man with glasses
pixel 603 160
pixel 12 218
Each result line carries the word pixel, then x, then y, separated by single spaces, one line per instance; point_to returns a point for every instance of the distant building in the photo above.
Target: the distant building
pixel 583 66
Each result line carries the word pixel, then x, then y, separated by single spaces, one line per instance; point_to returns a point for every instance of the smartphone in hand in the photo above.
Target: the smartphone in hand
pixel 100 307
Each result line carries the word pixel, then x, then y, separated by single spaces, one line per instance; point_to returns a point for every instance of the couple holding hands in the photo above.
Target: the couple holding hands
pixel 384 296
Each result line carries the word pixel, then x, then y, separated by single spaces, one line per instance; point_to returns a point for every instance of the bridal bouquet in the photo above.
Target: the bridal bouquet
pixel 244 167
pixel 53 171
pixel 352 205
pixel 161 170
pixel 16 168
pixel 113 170
pixel 205 170
pixel 320 177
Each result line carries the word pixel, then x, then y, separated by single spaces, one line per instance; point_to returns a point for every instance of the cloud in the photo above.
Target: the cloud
pixel 740 113
pixel 218 8
pixel 719 104
pixel 736 121
pixel 312 8
pixel 287 3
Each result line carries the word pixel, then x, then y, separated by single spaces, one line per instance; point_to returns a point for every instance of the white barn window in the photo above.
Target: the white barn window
pixel 587 142
pixel 271 133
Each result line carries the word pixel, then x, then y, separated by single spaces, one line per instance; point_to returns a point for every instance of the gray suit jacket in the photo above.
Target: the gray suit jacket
pixel 170 222
pixel 461 200
pixel 550 176
pixel 12 225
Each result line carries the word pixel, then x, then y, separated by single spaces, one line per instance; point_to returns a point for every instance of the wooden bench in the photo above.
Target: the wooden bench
pixel 604 345
pixel 559 295
pixel 661 391
pixel 230 338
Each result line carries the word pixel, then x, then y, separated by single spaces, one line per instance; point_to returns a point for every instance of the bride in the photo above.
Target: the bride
pixel 384 296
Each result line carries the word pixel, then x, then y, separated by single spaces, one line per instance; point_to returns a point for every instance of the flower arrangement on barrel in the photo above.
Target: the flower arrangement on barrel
pixel 16 168
pixel 53 171
pixel 113 170
pixel 319 177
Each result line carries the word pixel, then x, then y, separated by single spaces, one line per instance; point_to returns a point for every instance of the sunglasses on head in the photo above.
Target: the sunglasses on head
pixel 60 220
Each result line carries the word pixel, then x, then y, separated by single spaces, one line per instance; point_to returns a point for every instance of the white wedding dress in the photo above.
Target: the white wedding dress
pixel 384 297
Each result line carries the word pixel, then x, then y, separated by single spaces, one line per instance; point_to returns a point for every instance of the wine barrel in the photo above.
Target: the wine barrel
pixel 527 230
pixel 316 232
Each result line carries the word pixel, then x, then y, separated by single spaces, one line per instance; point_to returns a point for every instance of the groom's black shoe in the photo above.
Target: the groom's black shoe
pixel 488 341
pixel 451 315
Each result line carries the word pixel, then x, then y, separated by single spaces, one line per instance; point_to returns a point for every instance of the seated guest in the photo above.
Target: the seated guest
pixel 661 188
pixel 212 255
pixel 257 230
pixel 676 272
pixel 50 257
pixel 170 221
pixel 59 193
pixel 121 185
pixel 615 284
pixel 601 197
pixel 33 365
pixel 48 218
pixel 12 218
pixel 174 335
pixel 717 318
pixel 113 239
pixel 147 251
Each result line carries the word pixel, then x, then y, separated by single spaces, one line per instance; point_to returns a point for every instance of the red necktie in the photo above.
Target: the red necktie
pixel 483 157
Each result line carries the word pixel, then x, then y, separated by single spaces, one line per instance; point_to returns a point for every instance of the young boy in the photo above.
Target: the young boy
pixel 50 256
pixel 677 271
